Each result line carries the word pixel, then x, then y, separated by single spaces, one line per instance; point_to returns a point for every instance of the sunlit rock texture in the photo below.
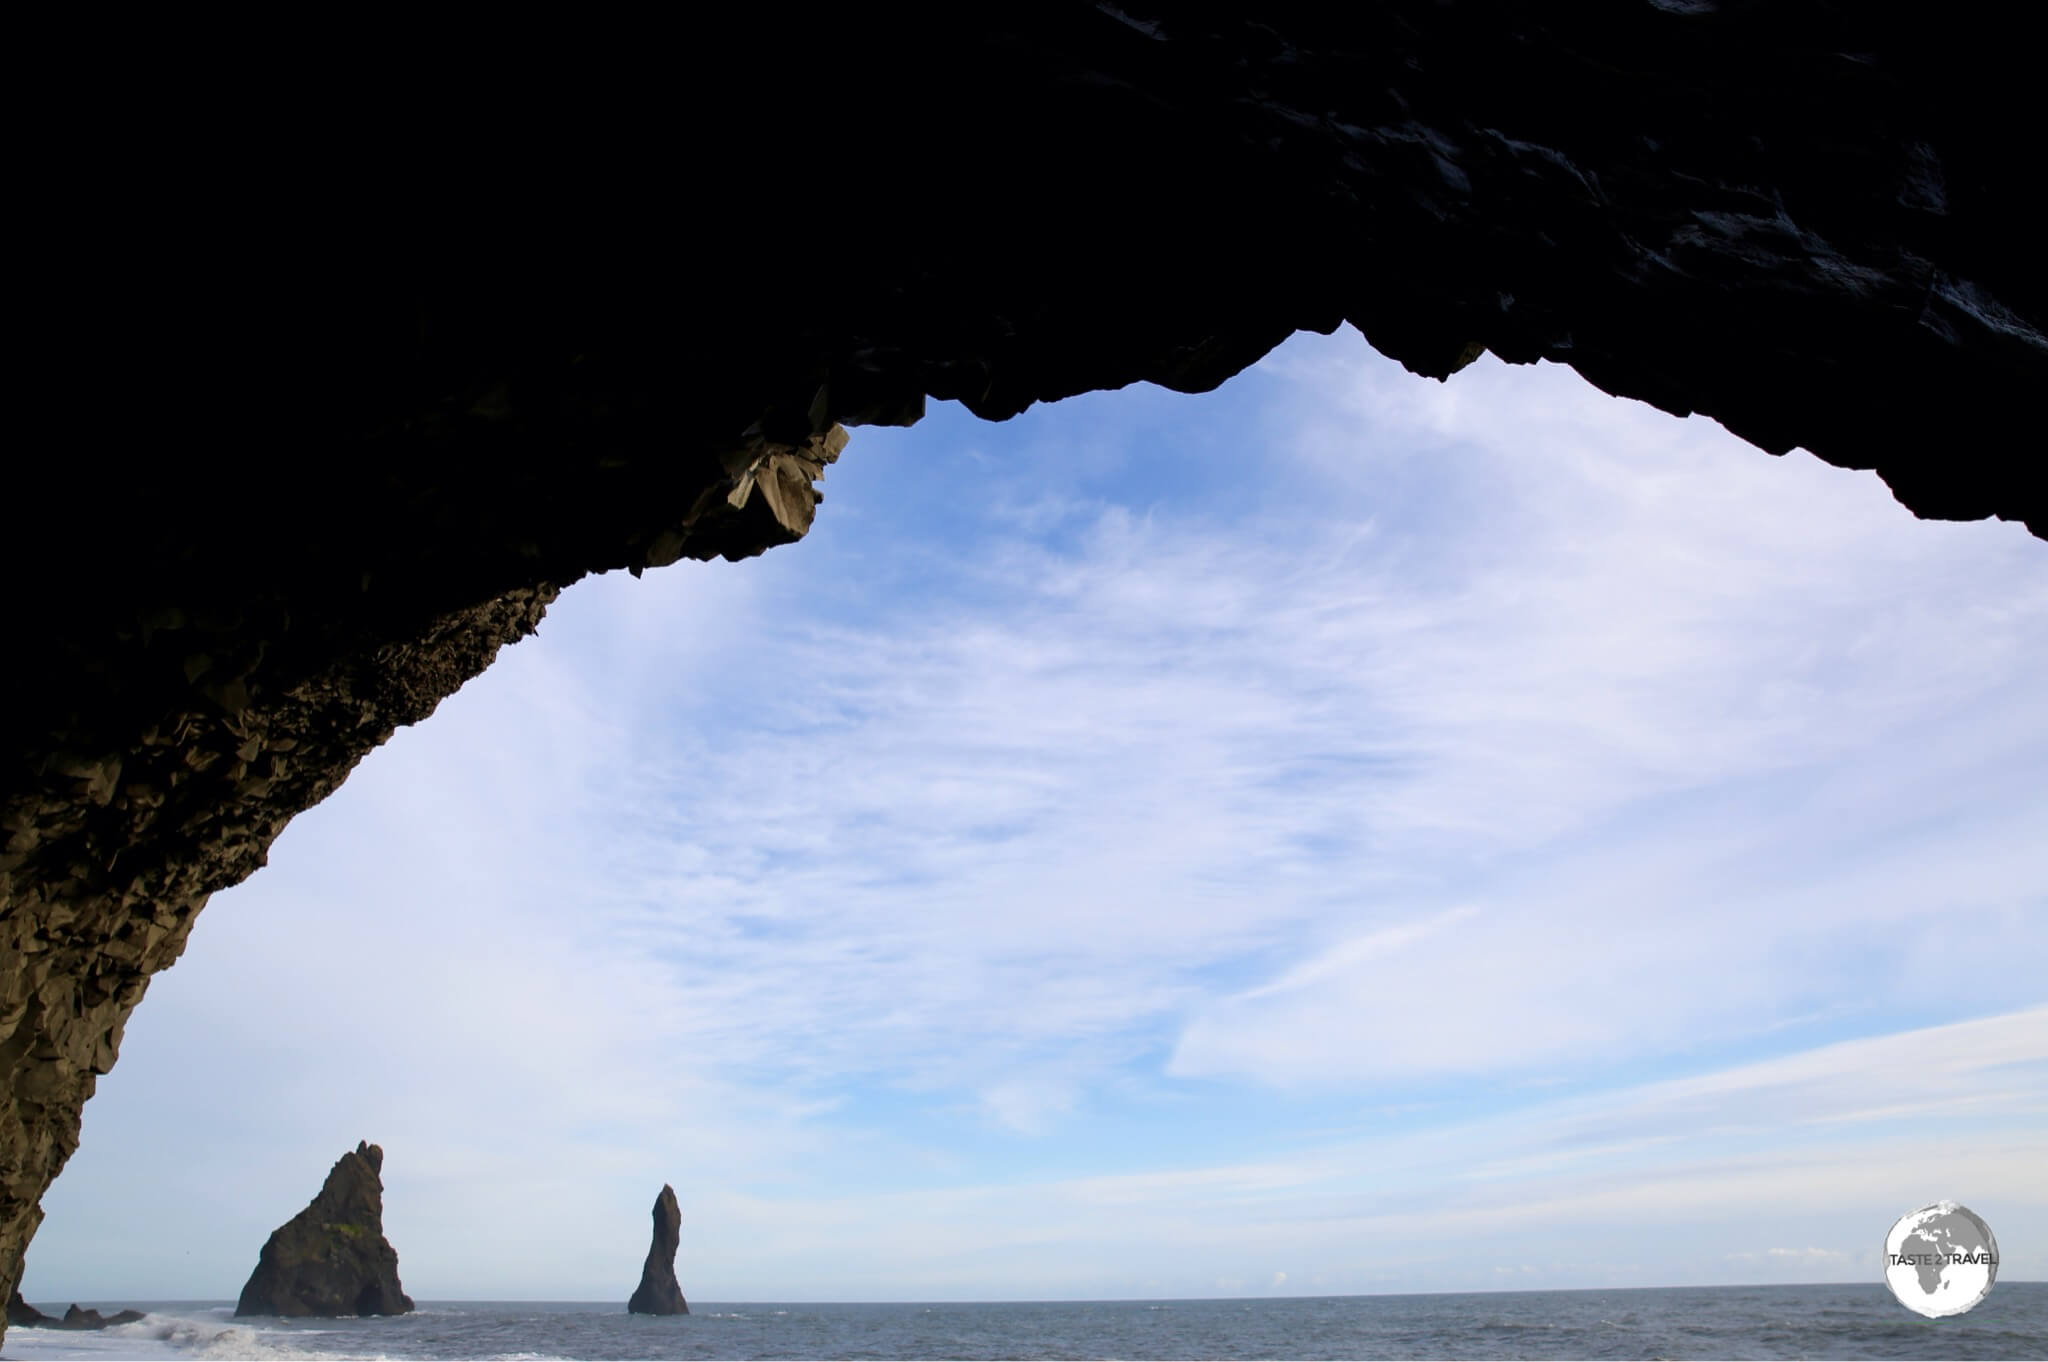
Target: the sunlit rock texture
pixel 332 1258
pixel 348 374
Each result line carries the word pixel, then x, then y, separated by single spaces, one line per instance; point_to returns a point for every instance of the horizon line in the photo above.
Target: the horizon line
pixel 214 1301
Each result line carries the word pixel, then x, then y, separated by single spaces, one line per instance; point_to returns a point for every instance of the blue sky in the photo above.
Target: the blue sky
pixel 1166 845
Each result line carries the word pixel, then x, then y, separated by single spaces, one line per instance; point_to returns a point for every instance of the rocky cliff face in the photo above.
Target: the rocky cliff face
pixel 332 1258
pixel 365 387
pixel 659 1293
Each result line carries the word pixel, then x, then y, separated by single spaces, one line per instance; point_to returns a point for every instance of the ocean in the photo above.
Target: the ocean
pixel 1684 1322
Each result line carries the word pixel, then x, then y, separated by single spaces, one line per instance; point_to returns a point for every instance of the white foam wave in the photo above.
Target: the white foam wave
pixel 156 1337
pixel 152 1336
pixel 189 1337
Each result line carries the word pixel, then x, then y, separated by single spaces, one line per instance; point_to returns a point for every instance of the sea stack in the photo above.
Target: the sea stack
pixel 332 1258
pixel 659 1293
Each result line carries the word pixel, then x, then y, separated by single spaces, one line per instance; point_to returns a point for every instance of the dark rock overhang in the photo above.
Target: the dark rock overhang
pixel 359 359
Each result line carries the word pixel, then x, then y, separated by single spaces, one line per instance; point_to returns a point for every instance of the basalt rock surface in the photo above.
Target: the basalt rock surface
pixel 659 1293
pixel 21 1313
pixel 332 1258
pixel 78 1318
pixel 343 387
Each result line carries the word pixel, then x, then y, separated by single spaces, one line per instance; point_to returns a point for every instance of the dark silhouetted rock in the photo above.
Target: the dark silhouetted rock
pixel 79 1318
pixel 332 1258
pixel 659 1293
pixel 20 1312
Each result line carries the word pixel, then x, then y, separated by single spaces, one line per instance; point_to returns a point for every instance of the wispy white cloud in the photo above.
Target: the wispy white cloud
pixel 1469 1192
pixel 1489 738
pixel 1810 1254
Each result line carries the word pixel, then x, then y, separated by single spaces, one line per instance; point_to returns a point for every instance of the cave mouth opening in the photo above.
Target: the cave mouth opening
pixel 1122 766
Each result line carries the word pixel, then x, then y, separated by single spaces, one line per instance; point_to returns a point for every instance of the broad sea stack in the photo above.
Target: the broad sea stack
pixel 659 1293
pixel 332 1258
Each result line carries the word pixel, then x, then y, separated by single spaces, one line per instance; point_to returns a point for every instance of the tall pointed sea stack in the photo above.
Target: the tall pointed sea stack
pixel 332 1258
pixel 659 1292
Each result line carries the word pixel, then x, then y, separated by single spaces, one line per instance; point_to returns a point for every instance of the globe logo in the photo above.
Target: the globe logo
pixel 1940 1260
